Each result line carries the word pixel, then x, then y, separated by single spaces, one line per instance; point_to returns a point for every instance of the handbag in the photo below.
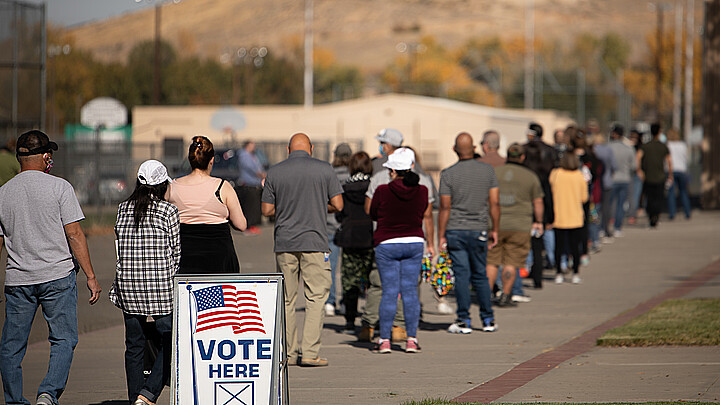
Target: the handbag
pixel 440 276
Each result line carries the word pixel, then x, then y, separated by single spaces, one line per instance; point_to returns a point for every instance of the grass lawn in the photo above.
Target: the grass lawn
pixel 445 402
pixel 681 322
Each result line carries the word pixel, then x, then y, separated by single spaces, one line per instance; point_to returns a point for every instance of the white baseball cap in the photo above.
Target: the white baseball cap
pixel 401 159
pixel 152 173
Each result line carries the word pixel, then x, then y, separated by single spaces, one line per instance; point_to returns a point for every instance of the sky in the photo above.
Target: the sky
pixel 72 12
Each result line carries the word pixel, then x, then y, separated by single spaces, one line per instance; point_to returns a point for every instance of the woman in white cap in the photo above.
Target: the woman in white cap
pixel 148 255
pixel 399 208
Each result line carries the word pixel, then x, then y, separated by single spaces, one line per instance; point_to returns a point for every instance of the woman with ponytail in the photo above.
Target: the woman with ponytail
pixel 399 208
pixel 208 207
pixel 148 255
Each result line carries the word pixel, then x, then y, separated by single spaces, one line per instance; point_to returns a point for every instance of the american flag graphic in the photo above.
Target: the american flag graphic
pixel 224 305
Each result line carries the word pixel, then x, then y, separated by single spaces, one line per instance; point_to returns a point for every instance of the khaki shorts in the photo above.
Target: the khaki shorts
pixel 511 250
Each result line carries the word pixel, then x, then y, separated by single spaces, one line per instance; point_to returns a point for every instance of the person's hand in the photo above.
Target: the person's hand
pixel 95 290
pixel 494 237
pixel 431 251
pixel 538 227
pixel 641 175
pixel 442 244
pixel 548 227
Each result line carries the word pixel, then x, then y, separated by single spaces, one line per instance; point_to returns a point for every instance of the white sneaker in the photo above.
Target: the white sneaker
pixel 489 326
pixel 44 399
pixel 459 327
pixel 329 310
pixel 618 233
pixel 576 279
pixel 559 279
pixel 521 298
pixel 445 308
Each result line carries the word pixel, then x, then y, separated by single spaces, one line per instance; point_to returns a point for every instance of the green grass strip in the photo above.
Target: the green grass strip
pixel 678 322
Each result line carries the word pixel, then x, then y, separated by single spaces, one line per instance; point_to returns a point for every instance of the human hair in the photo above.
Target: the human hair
pixel 409 177
pixel 360 162
pixel 515 152
pixel 143 195
pixel 534 126
pixel 569 161
pixel 673 134
pixel 655 129
pixel 491 139
pixel 339 161
pixel 200 153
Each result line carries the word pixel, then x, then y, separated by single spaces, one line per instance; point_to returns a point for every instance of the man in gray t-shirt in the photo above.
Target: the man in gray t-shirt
pixel 469 195
pixel 300 191
pixel 39 225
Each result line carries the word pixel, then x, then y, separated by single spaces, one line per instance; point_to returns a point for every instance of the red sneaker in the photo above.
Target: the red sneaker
pixel 252 231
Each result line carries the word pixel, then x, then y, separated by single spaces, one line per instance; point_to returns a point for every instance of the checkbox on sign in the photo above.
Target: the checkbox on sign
pixel 235 393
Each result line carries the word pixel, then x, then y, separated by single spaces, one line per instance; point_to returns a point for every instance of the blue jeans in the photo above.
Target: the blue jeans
pixel 637 188
pixel 399 267
pixel 334 255
pixel 618 197
pixel 468 252
pixel 681 181
pixel 58 299
pixel 137 331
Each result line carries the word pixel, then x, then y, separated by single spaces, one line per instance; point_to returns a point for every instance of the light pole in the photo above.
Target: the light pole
pixel 660 8
pixel 308 78
pixel 529 53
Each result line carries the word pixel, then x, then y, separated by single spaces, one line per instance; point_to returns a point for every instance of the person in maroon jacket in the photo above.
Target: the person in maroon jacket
pixel 399 208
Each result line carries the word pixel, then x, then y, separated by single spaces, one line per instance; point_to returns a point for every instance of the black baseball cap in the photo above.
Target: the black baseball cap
pixel 34 142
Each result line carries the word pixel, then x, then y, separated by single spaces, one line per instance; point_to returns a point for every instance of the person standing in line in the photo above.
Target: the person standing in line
pixel 625 159
pixel 148 237
pixel 355 236
pixel 469 198
pixel 370 316
pixel 9 165
pixel 208 206
pixel 40 227
pixel 521 209
pixel 570 192
pixel 300 191
pixel 679 156
pixel 399 209
pixel 540 158
pixel 490 144
pixel 340 166
pixel 636 187
pixel 651 161
pixel 605 153
pixel 249 186
pixel 390 139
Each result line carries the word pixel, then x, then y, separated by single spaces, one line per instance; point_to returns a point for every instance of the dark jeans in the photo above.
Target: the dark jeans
pixel 655 196
pixel 250 201
pixel 137 330
pixel 618 198
pixel 468 252
pixel 572 238
pixel 680 183
pixel 537 245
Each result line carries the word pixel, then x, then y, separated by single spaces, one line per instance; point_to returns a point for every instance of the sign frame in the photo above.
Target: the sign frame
pixel 279 393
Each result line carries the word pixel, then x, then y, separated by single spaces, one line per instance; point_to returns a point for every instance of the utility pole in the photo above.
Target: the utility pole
pixel 677 60
pixel 308 76
pixel 529 53
pixel 156 67
pixel 689 57
pixel 660 10
pixel 711 105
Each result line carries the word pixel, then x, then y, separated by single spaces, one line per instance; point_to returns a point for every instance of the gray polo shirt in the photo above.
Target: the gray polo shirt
pixel 300 187
pixel 34 208
pixel 625 159
pixel 468 183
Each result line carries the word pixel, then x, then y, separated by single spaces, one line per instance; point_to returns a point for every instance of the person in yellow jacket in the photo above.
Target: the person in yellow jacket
pixel 570 191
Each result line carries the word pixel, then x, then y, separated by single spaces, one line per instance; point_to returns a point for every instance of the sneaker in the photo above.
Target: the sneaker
pixel 445 308
pixel 489 326
pixel 383 346
pixel 521 298
pixel 316 362
pixel 349 328
pixel 584 260
pixel 576 279
pixel 601 234
pixel 594 249
pixel 618 234
pixel 506 301
pixel 559 279
pixel 366 334
pixel 329 310
pixel 252 231
pixel 460 327
pixel 399 334
pixel 138 401
pixel 412 346
pixel 46 399
pixel 608 240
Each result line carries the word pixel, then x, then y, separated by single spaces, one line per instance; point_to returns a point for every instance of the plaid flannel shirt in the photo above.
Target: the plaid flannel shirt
pixel 147 258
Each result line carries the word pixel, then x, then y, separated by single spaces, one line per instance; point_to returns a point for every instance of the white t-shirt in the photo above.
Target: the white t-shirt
pixel 34 208
pixel 678 155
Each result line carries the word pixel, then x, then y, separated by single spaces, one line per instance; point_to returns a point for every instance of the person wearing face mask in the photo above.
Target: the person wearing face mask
pixel 40 227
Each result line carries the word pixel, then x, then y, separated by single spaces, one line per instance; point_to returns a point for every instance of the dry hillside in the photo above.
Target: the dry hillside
pixel 361 32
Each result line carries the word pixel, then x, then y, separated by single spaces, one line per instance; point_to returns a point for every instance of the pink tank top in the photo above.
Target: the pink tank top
pixel 198 203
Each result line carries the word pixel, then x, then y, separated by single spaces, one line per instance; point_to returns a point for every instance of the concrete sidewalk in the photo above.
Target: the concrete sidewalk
pixel 643 264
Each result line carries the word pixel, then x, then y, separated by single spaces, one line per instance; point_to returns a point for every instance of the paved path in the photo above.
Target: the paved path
pixel 642 265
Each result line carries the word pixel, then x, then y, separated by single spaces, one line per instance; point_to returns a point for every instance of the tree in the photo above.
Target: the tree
pixel 140 67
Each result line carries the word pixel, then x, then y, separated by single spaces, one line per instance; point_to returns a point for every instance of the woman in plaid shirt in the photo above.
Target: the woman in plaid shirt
pixel 148 255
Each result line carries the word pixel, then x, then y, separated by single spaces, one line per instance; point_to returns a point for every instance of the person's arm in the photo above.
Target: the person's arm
pixel 429 229
pixel 538 212
pixel 494 202
pixel 268 209
pixel 174 239
pixel 236 216
pixel 638 165
pixel 443 217
pixel 368 201
pixel 668 160
pixel 336 204
pixel 78 244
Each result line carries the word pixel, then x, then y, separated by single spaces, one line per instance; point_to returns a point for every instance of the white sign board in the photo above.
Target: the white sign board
pixel 228 340
pixel 104 111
